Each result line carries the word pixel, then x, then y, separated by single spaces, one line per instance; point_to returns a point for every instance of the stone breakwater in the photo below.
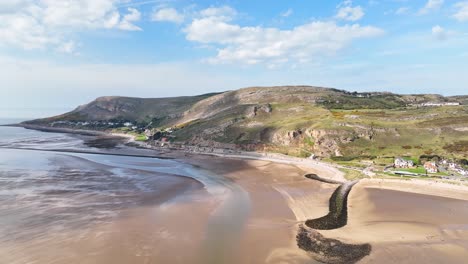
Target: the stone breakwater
pixel 318 178
pixel 338 210
pixel 329 250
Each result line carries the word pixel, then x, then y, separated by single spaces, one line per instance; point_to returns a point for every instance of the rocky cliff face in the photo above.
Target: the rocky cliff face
pixel 324 143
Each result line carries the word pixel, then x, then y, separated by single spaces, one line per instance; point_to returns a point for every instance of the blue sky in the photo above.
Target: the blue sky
pixel 63 53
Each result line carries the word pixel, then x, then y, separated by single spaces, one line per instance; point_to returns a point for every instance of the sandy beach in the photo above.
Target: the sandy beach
pixel 252 215
pixel 172 226
pixel 407 222
pixel 277 192
pixel 403 221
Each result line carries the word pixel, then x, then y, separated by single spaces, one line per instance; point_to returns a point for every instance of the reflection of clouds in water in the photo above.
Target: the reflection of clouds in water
pixel 61 195
pixel 19 137
pixel 82 190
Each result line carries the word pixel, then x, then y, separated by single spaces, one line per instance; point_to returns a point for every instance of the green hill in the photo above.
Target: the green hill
pixel 297 120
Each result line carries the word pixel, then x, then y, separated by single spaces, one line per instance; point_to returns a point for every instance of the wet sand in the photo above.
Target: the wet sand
pixel 93 214
pixel 173 226
pixel 252 215
pixel 176 224
pixel 403 221
pixel 277 193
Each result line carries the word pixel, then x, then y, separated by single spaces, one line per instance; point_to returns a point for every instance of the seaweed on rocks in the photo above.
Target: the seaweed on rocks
pixel 329 250
pixel 104 142
pixel 338 206
pixel 313 176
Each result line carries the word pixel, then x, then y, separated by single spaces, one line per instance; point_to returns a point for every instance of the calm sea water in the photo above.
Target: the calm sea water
pixel 47 190
pixel 49 184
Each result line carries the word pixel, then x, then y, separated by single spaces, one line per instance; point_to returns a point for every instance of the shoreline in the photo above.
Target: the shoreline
pixel 283 197
pixel 89 152
pixel 327 171
pixel 334 174
pixel 84 132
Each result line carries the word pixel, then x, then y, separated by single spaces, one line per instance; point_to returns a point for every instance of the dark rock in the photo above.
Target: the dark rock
pixel 338 206
pixel 328 250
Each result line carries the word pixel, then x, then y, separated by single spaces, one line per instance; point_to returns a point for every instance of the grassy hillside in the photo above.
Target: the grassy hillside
pixel 298 120
pixel 158 110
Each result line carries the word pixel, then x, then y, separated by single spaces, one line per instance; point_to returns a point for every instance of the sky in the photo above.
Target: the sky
pixel 62 53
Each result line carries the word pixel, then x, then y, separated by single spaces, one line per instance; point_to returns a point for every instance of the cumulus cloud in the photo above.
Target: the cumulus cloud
pixel 167 15
pixel 462 13
pixel 347 12
pixel 127 21
pixel 220 13
pixel 254 45
pixel 431 5
pixel 39 24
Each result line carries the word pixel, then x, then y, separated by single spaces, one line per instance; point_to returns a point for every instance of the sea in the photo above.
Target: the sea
pixel 57 190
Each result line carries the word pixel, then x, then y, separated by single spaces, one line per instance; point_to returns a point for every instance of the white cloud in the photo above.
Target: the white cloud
pixel 462 13
pixel 254 45
pixel 40 24
pixel 439 32
pixel 68 47
pixel 168 15
pixel 402 10
pixel 431 5
pixel 127 21
pixel 24 31
pixel 287 13
pixel 220 13
pixel 10 5
pixel 347 12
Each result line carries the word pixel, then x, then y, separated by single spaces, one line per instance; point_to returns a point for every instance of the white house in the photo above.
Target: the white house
pixel 431 167
pixel 403 163
pixel 453 166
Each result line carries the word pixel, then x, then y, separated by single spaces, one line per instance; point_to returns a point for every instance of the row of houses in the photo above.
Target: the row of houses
pixel 440 104
pixel 432 166
pixel 100 125
pixel 457 168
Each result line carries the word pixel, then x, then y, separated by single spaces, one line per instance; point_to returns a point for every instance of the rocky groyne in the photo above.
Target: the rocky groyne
pixel 338 210
pixel 329 250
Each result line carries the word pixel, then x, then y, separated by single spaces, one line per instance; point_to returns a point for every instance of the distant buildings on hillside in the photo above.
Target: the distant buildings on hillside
pixel 443 165
pixel 403 163
pixel 431 167
pixel 440 104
